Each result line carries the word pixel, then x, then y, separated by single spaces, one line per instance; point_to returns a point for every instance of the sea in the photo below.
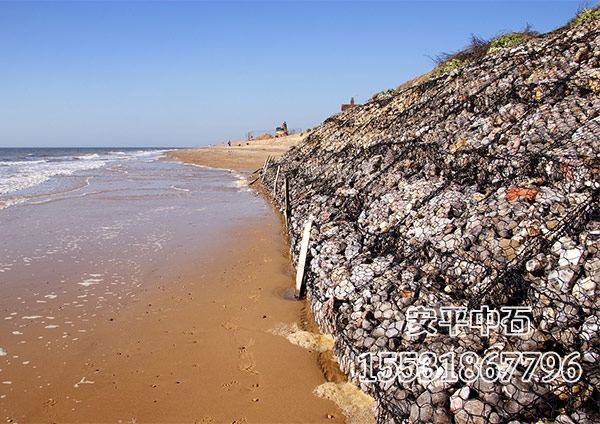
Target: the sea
pixel 58 203
pixel 39 175
pixel 84 232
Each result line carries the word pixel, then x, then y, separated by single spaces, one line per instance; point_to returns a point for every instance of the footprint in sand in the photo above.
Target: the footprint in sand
pixel 254 296
pixel 231 325
pixel 50 403
pixel 247 363
pixel 230 385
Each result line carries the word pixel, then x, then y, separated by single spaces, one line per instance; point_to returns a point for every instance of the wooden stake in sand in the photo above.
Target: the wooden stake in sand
pixel 286 211
pixel 264 169
pixel 257 178
pixel 275 184
pixel 302 259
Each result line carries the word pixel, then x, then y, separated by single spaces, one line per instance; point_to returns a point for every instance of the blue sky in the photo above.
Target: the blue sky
pixel 193 73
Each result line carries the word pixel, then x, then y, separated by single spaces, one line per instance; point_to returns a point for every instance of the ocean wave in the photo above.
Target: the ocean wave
pixel 21 176
pixel 240 182
pixel 26 174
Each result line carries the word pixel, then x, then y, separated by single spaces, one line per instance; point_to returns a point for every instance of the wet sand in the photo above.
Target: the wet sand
pixel 197 339
pixel 197 348
pixel 351 405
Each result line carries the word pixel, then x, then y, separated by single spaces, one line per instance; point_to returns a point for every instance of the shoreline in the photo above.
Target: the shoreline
pixel 204 339
pixel 356 406
pixel 242 156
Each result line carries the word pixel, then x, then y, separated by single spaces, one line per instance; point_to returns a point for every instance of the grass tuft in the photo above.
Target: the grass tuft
pixel 509 40
pixel 449 66
pixel 478 48
pixel 584 16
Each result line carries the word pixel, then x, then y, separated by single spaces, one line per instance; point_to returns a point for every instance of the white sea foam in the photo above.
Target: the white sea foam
pixel 5 266
pixel 82 381
pixel 51 171
pixel 90 282
pixel 240 182
pixel 356 405
pixel 18 176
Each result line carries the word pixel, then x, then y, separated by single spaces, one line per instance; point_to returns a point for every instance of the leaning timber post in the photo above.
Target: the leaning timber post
pixel 286 211
pixel 302 259
pixel 275 184
pixel 264 169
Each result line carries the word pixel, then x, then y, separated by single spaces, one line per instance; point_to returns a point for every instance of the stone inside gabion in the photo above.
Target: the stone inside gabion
pixel 456 231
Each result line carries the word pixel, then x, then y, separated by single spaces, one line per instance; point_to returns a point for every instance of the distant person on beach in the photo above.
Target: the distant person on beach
pixel 228 144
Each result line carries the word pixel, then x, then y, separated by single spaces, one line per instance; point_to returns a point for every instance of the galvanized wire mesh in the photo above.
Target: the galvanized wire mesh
pixel 456 236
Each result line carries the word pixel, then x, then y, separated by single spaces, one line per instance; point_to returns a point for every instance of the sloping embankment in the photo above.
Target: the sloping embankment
pixel 456 230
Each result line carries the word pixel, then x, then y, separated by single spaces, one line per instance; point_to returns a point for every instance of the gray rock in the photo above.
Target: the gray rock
pixel 422 410
pixel 564 419
pixel 474 411
pixel 477 187
pixel 458 399
pixel 592 268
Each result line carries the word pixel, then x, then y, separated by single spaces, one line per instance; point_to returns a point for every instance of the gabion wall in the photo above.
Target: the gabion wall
pixel 456 230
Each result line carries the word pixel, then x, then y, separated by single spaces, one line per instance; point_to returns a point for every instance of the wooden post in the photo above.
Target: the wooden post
pixel 265 166
pixel 302 259
pixel 275 184
pixel 286 211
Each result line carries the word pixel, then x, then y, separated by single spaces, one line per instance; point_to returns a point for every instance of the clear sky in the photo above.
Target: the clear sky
pixel 193 73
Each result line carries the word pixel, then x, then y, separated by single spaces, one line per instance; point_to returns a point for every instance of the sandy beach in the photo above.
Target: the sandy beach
pixel 242 155
pixel 202 335
pixel 295 325
pixel 195 347
pixel 347 403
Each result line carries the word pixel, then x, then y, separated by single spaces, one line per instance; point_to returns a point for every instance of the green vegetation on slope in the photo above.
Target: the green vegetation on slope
pixel 479 48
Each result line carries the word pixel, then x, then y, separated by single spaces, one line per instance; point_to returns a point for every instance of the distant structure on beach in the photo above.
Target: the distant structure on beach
pixel 350 105
pixel 281 131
